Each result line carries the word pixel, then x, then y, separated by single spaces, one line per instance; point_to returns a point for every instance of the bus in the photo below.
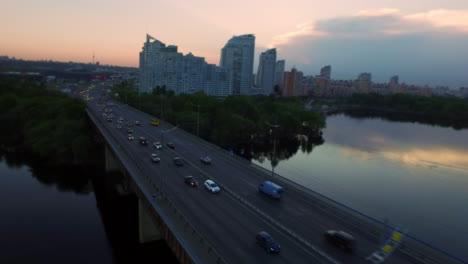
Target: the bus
pixel 154 122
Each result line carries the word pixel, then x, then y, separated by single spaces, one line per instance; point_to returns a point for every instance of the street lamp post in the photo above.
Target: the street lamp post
pixel 274 148
pixel 198 119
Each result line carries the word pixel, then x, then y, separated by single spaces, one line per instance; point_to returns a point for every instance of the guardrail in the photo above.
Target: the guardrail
pixel 135 170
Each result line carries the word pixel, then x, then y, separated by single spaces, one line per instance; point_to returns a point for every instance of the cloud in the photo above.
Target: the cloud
pixel 442 18
pixel 423 48
pixel 304 29
pixel 377 12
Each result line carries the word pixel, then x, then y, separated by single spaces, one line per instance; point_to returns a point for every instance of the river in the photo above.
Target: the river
pixel 412 175
pixel 60 215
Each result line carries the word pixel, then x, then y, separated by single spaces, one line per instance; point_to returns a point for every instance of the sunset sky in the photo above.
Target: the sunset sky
pixel 422 41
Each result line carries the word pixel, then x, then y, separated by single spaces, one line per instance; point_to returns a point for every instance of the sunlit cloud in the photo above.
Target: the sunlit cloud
pixel 304 29
pixel 387 21
pixel 442 18
pixel 377 12
pixel 413 45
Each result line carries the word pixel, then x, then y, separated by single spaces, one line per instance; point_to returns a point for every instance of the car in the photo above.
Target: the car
pixel 190 180
pixel 157 145
pixel 340 239
pixel 143 141
pixel 118 126
pixel 130 137
pixel 129 124
pixel 171 145
pixel 205 160
pixel 119 121
pixel 178 162
pixel 137 122
pixel 129 130
pixel 271 189
pixel 155 158
pixel 212 186
pixel 109 119
pixel 266 241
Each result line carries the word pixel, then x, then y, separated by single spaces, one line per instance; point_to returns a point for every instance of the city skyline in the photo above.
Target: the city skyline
pixel 421 45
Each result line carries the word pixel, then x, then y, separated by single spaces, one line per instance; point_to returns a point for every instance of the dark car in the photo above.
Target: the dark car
pixel 205 160
pixel 129 130
pixel 340 239
pixel 170 144
pixel 143 141
pixel 178 162
pixel 190 181
pixel 266 241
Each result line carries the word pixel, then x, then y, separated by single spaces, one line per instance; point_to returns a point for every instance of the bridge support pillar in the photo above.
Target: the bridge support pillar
pixel 148 231
pixel 112 163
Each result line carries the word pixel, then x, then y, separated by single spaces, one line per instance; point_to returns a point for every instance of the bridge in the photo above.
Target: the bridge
pixel 202 227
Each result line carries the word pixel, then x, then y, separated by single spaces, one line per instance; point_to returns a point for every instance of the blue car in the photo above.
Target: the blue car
pixel 266 241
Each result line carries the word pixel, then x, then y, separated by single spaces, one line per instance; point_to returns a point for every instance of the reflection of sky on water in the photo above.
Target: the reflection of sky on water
pixel 408 143
pixel 414 175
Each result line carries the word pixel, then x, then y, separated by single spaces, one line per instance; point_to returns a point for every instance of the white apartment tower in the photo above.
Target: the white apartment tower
pixel 266 72
pixel 237 56
pixel 162 65
pixel 279 70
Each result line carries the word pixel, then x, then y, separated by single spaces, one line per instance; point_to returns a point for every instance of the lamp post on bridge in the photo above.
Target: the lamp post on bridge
pixel 273 160
pixel 198 119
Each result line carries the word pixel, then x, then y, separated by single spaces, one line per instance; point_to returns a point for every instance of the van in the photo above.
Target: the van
pixel 271 189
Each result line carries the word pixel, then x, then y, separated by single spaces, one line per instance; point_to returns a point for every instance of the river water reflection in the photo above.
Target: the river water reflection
pixel 411 174
pixel 62 215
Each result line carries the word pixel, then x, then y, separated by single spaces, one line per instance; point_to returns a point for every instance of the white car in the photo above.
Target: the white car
pixel 130 137
pixel 155 158
pixel 212 186
pixel 157 145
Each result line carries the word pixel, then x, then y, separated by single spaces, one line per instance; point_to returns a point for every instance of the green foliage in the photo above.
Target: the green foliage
pixel 49 123
pixel 229 122
pixel 448 108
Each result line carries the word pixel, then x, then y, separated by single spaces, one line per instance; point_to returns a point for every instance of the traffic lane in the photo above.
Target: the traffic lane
pixel 235 226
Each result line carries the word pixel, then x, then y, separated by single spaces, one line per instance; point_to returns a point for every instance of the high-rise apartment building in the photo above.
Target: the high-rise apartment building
pixel 279 70
pixel 292 83
pixel 266 72
pixel 162 65
pixel 325 72
pixel 238 56
pixel 364 82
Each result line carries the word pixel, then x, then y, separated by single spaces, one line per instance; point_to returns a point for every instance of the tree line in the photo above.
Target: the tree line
pixel 229 122
pixel 48 123
pixel 448 109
